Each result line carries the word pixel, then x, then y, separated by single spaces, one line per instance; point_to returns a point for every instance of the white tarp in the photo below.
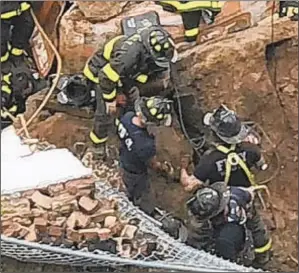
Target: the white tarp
pixel 20 169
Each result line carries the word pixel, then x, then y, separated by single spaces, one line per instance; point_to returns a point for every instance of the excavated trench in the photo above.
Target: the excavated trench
pixel 256 76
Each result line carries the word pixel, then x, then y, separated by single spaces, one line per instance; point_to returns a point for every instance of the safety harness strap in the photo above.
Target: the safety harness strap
pixel 233 159
pixel 10 14
pixel 11 110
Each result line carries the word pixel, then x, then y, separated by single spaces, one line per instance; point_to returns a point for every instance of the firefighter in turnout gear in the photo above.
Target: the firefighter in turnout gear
pixel 223 219
pixel 124 66
pixel 289 8
pixel 192 13
pixel 16 29
pixel 138 149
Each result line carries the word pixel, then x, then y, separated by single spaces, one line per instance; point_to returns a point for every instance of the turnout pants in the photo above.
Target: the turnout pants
pixel 139 190
pixel 14 45
pixel 191 21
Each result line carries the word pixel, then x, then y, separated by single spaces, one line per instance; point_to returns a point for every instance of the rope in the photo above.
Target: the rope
pixel 56 78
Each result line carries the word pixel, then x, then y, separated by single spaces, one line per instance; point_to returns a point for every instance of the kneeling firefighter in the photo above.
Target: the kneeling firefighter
pixel 139 65
pixel 223 220
pixel 192 13
pixel 137 153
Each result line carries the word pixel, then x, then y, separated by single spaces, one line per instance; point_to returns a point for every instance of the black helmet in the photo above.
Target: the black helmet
pixel 209 201
pixel 226 125
pixel 75 91
pixel 156 110
pixel 160 45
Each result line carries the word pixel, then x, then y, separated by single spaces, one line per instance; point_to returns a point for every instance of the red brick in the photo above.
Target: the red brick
pixel 55 189
pixel 91 233
pixel 31 236
pixel 73 235
pixel 110 221
pixel 13 230
pixel 88 205
pixel 40 224
pixel 23 221
pixel 60 221
pixel 100 215
pixel 81 184
pixel 41 200
pixel 55 231
pixel 129 231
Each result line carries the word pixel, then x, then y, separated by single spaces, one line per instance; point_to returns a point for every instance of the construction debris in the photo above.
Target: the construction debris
pixel 67 214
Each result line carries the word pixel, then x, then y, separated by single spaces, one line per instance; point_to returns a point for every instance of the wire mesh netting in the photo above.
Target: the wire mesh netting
pixel 170 254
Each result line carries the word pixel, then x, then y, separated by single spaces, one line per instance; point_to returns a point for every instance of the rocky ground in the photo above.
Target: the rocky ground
pixel 256 73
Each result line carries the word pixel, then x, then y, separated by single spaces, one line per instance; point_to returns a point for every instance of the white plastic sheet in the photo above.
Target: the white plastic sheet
pixel 21 170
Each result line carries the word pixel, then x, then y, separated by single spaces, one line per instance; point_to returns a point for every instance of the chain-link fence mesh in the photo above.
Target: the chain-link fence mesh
pixel 170 254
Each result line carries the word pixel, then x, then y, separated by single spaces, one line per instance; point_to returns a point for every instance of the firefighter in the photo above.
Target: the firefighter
pixel 16 29
pixel 289 8
pixel 220 218
pixel 138 148
pixel 192 13
pixel 229 158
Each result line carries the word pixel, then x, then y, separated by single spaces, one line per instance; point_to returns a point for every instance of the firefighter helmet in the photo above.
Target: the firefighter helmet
pixel 209 201
pixel 226 124
pixel 155 110
pixel 160 45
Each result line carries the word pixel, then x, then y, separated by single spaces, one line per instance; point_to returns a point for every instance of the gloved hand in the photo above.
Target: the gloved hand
pixel 111 107
pixel 133 94
pixel 167 168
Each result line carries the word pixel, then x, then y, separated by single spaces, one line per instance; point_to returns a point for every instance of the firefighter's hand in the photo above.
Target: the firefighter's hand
pixel 111 107
pixel 167 168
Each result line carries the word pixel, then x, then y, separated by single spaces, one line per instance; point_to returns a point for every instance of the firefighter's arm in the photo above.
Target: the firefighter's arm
pixel 259 160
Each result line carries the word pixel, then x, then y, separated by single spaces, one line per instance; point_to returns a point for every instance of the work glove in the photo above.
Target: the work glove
pixel 133 94
pixel 110 107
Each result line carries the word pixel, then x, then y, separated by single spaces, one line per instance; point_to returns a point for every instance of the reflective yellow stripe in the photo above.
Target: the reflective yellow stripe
pixel 142 78
pixel 193 5
pixel 264 248
pixel 97 140
pixel 6 89
pixel 292 11
pixel 88 74
pixel 10 14
pixel 191 32
pixel 5 57
pixel 13 109
pixel 110 73
pixel 228 166
pixel 109 47
pixel 6 78
pixel 110 96
pixel 17 52
pixel 25 6
pixel 117 122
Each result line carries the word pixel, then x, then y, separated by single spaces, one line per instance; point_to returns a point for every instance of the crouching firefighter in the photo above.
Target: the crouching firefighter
pixel 222 220
pixel 124 66
pixel 192 13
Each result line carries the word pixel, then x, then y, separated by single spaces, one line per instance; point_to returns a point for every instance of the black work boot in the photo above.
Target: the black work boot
pixel 99 151
pixel 261 259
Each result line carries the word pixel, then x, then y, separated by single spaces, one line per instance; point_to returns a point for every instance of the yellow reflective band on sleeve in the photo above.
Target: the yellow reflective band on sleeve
pixel 110 73
pixel 265 248
pixel 153 111
pixel 25 6
pixel 6 78
pixel 193 5
pixel 292 11
pixel 191 32
pixel 97 140
pixel 88 74
pixel 110 96
pixel 109 47
pixel 6 89
pixel 157 48
pixel 17 51
pixel 160 116
pixel 142 78
pixel 13 109
pixel 5 57
pixel 10 14
pixel 240 162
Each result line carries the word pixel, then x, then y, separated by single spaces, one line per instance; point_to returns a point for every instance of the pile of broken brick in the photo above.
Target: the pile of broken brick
pixel 67 214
